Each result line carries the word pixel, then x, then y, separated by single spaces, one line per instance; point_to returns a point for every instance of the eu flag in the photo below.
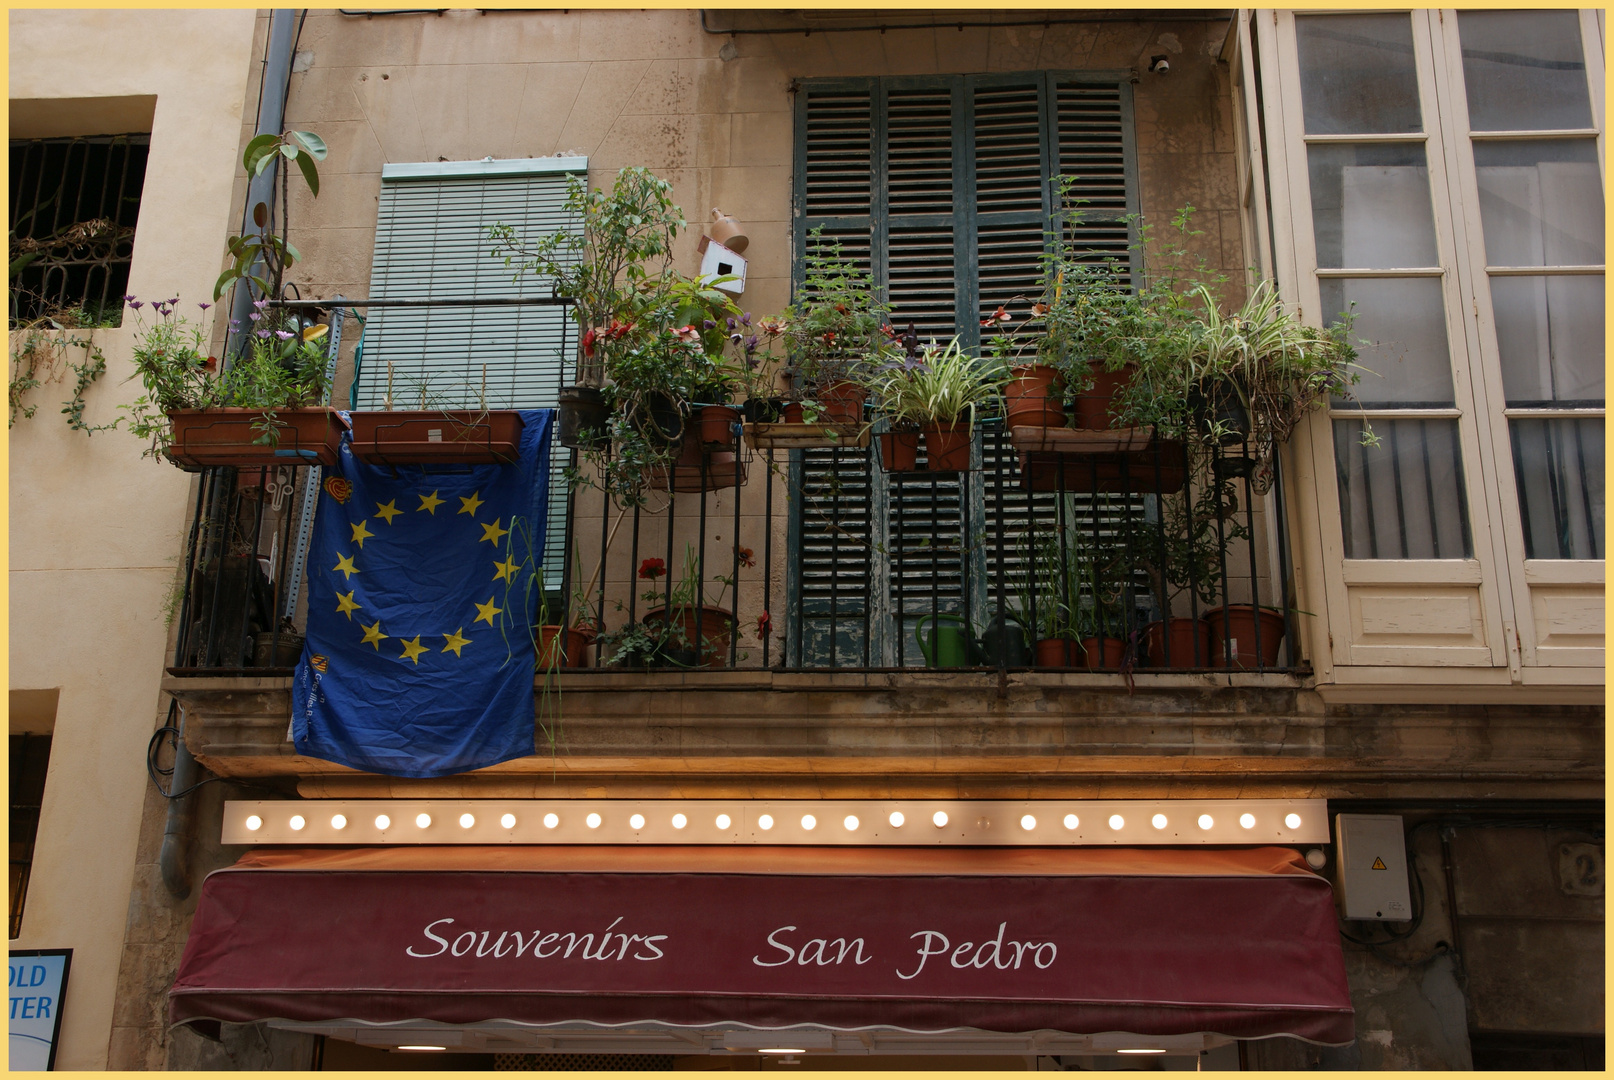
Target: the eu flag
pixel 423 587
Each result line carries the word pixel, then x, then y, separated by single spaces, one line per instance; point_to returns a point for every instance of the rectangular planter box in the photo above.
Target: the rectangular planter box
pixel 1133 471
pixel 205 437
pixel 805 436
pixel 437 437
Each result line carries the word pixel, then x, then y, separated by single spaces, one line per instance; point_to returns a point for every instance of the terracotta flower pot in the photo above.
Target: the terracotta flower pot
pixel 1234 629
pixel 573 651
pixel 714 626
pixel 1101 653
pixel 1189 639
pixel 947 447
pixel 899 450
pixel 717 426
pixel 304 436
pixel 437 437
pixel 1053 652
pixel 842 402
pixel 793 414
pixel 1034 398
pixel 1094 405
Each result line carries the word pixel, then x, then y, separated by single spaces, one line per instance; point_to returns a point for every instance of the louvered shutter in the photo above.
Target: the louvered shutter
pixel 432 244
pixel 941 186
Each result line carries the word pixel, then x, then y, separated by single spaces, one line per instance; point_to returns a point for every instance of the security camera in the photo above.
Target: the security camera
pixel 1159 65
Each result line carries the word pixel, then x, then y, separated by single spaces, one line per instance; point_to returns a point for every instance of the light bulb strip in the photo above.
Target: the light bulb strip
pixel 825 823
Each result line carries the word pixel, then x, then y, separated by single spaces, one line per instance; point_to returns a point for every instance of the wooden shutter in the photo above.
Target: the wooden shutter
pixel 431 243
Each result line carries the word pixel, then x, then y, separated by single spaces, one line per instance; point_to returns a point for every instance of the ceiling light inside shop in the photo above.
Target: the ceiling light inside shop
pixel 1247 821
pixel 383 822
pixel 636 821
pixel 551 820
pixel 896 819
pixel 1293 821
pixel 508 821
pixel 679 821
pixel 338 821
pixel 297 822
pixel 809 822
pixel 467 820
pixel 1158 821
pixel 424 821
pixel 254 823
pixel 940 818
pixel 850 823
pixel 1028 823
pixel 593 821
pixel 1117 822
pixel 723 821
pixel 1206 821
pixel 1071 821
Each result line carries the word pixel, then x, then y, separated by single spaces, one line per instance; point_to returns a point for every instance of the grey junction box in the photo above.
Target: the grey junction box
pixel 1373 867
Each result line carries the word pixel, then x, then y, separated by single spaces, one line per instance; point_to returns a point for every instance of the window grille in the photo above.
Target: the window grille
pixel 74 204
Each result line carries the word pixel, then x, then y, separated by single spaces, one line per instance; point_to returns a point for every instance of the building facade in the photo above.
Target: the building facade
pixel 1438 594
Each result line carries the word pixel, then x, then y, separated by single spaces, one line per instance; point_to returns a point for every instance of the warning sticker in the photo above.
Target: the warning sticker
pixel 1378 864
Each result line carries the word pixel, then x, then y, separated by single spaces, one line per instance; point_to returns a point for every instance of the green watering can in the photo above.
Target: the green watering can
pixel 949 644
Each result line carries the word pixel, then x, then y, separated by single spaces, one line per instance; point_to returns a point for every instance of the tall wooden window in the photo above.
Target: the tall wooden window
pixel 943 188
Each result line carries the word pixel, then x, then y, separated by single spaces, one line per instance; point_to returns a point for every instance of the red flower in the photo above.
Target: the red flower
pixel 687 333
pixel 829 338
pixel 588 342
pixel 619 328
pixel 764 625
pixel 746 556
pixel 1000 315
pixel 651 569
pixel 211 363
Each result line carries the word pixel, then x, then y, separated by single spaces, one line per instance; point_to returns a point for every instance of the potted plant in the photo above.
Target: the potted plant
pixel 436 433
pixel 264 409
pixel 1244 636
pixel 939 392
pixel 695 630
pixel 833 331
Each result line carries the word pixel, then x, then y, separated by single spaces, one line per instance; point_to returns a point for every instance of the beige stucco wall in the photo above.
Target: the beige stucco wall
pixel 95 530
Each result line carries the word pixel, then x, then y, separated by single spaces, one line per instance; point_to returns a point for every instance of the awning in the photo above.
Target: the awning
pixel 1239 942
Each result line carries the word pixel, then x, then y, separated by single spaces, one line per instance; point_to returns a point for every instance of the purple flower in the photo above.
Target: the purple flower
pixel 136 304
pixel 128 298
pixel 175 300
pixel 255 316
pixel 707 324
pixel 745 320
pixel 204 307
pixel 283 335
pixel 263 333
pixel 261 304
pixel 235 324
pixel 731 322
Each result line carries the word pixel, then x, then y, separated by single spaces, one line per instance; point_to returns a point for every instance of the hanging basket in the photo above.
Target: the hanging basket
pixel 304 436
pixel 947 447
pixel 437 437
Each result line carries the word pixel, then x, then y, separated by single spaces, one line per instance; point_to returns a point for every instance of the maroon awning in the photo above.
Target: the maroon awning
pixel 1157 941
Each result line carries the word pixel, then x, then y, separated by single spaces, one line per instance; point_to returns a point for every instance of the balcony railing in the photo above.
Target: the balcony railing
pixel 819 558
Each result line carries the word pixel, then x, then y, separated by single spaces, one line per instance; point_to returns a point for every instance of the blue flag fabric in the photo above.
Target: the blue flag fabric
pixel 423 585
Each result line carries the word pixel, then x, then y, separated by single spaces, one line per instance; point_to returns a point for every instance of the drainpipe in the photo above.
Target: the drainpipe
pixel 175 858
pixel 271 121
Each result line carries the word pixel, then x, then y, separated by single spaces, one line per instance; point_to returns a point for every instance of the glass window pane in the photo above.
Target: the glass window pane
pixel 1524 70
pixel 1402 498
pixel 1357 74
pixel 1559 468
pixel 1370 206
pixel 1541 202
pixel 1550 333
pixel 1400 337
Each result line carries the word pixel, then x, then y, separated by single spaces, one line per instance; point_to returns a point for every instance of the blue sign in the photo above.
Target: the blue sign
pixel 38 981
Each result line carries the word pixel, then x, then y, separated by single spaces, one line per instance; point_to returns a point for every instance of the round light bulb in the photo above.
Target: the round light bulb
pixel 850 823
pixel 1247 821
pixel 765 822
pixel 1293 821
pixel 1158 821
pixel 1028 823
pixel 724 821
pixel 896 819
pixel 679 821
pixel 338 821
pixel 383 822
pixel 1117 822
pixel 940 819
pixel 809 822
pixel 297 823
pixel 423 821
pixel 508 821
pixel 593 821
pixel 467 820
pixel 636 821
pixel 254 823
pixel 1206 821
pixel 1071 821
pixel 551 820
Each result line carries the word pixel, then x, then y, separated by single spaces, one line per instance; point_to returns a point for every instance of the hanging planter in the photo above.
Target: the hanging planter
pixel 717 424
pixel 698 470
pixel 437 437
pixel 899 450
pixel 1034 398
pixel 842 402
pixel 947 447
pixel 581 420
pixel 1161 468
pixel 300 436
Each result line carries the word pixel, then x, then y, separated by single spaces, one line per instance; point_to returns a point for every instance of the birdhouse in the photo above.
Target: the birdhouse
pixel 719 262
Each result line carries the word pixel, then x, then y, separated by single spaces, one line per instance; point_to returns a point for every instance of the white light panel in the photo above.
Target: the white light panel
pixel 968 823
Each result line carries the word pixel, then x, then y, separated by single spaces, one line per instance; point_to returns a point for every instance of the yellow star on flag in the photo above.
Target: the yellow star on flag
pixel 360 533
pixel 344 563
pixel 373 635
pixel 493 532
pixel 412 650
pixel 387 510
pixel 504 571
pixel 345 605
pixel 485 612
pixel 430 503
pixel 455 642
pixel 468 506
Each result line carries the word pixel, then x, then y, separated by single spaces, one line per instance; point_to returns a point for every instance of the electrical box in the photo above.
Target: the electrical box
pixel 1373 867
